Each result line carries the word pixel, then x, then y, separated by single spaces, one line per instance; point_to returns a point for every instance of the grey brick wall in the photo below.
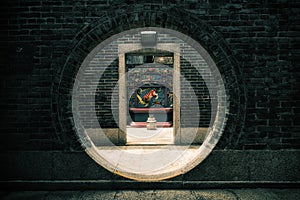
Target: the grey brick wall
pixel 39 40
pixel 109 79
pixel 103 97
pixel 198 84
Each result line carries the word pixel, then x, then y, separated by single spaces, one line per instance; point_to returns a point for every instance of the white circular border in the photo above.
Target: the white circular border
pixel 201 153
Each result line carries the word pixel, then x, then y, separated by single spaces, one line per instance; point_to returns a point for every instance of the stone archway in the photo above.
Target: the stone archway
pixel 126 48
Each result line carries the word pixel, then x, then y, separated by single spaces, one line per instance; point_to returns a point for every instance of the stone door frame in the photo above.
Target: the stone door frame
pixel 123 108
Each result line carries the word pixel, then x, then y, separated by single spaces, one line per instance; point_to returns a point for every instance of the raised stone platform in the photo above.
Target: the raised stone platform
pixel 137 136
pixel 61 170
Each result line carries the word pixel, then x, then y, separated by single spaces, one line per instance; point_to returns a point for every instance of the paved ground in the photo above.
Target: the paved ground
pixel 144 136
pixel 148 162
pixel 215 194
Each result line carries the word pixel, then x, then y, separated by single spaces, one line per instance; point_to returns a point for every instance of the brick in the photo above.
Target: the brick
pixel 258 37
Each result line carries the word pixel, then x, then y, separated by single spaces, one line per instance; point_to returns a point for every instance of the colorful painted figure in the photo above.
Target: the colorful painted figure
pixel 147 97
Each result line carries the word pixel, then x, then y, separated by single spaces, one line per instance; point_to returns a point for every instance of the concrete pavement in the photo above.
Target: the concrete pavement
pixel 213 194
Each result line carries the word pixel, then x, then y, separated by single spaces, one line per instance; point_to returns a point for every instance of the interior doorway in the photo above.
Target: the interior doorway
pixel 149 82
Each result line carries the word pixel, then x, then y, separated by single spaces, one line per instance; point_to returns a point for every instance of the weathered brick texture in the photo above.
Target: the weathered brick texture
pixel 255 44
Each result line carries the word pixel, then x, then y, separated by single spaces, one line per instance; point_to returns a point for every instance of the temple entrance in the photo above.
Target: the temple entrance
pixel 149 81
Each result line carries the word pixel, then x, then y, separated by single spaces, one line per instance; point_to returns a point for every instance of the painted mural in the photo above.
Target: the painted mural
pixel 150 86
pixel 151 96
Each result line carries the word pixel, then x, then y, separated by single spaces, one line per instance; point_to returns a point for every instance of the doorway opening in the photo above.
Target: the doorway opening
pixel 149 82
pixel 105 106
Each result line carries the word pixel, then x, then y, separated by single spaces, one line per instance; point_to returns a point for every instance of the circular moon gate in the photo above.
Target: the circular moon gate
pixel 157 162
